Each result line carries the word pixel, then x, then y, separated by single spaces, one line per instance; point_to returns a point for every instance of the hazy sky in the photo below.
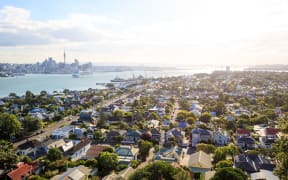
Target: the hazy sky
pixel 145 31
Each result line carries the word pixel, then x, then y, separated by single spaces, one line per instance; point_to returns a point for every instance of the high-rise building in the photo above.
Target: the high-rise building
pixel 64 57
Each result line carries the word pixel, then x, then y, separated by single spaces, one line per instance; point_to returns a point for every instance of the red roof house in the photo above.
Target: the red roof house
pixel 242 132
pixel 271 131
pixel 23 170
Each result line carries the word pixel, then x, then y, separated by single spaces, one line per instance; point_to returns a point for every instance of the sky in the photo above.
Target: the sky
pixel 145 32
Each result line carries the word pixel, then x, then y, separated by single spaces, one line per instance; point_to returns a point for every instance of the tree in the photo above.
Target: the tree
pixel 118 114
pixel 222 152
pixel 182 175
pixel 224 163
pixel 283 125
pixel 270 114
pixel 93 163
pixel 207 148
pixel 157 170
pixel 31 124
pixel 54 154
pixel 9 126
pixel 36 177
pixel 229 173
pixel 205 117
pixel 220 108
pixel 7 157
pixel 279 149
pixel 184 105
pixel 107 162
pixel 98 136
pixel 29 96
pixel 123 125
pixel 109 149
pixel 144 147
pixel 153 116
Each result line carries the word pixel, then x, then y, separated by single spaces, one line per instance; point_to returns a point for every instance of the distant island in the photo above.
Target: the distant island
pixel 273 67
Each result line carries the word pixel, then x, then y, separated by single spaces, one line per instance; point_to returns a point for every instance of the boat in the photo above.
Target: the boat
pixel 18 74
pixel 117 79
pixel 101 84
pixel 81 74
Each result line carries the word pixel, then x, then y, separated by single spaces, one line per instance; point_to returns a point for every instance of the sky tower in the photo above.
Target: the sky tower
pixel 64 57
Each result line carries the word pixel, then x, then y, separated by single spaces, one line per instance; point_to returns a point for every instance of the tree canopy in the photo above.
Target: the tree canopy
pixel 107 162
pixel 144 147
pixel 54 154
pixel 229 173
pixel 7 157
pixel 9 126
pixel 160 170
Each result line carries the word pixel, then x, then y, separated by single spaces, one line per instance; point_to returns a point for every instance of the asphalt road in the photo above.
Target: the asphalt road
pixel 47 131
pixel 175 112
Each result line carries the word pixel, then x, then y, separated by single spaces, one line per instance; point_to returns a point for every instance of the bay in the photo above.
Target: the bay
pixel 58 82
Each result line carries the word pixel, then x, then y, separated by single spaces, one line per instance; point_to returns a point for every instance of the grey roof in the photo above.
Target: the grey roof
pixel 76 173
pixel 197 160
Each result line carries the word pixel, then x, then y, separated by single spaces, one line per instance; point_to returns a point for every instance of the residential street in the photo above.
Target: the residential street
pixel 66 121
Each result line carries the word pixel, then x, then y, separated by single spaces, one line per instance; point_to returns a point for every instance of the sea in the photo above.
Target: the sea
pixel 58 82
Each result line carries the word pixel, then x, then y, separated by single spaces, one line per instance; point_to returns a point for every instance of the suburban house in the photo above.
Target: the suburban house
pixel 94 151
pixel 166 123
pixel 122 175
pixel 173 154
pixel 175 134
pixel 23 171
pixel 152 123
pixel 113 135
pixel 79 150
pixel 86 115
pixel 221 138
pixel 77 173
pixel 242 132
pixel 52 144
pixel 156 135
pixel 67 146
pixel 40 113
pixel 268 136
pixel 263 175
pixel 246 142
pixel 131 137
pixel 252 163
pixel 238 112
pixel 63 132
pixel 126 154
pixel 79 132
pixel 198 162
pixel 182 124
pixel 200 135
pixel 29 148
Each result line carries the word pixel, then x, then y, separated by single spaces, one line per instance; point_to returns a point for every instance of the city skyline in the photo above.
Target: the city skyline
pixel 145 32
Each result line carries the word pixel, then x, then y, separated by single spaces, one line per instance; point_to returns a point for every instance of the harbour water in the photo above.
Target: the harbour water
pixel 58 82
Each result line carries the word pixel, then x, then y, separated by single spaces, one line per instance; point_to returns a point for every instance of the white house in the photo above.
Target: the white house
pixel 79 150
pixel 152 123
pixel 268 136
pixel 63 132
pixel 221 138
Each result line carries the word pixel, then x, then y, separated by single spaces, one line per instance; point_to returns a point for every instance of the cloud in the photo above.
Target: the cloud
pixel 17 28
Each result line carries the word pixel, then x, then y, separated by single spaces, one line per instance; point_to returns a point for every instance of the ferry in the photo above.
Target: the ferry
pixel 81 73
pixel 117 79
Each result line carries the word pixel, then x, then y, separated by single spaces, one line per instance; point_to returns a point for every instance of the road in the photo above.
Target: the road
pixel 175 112
pixel 66 121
